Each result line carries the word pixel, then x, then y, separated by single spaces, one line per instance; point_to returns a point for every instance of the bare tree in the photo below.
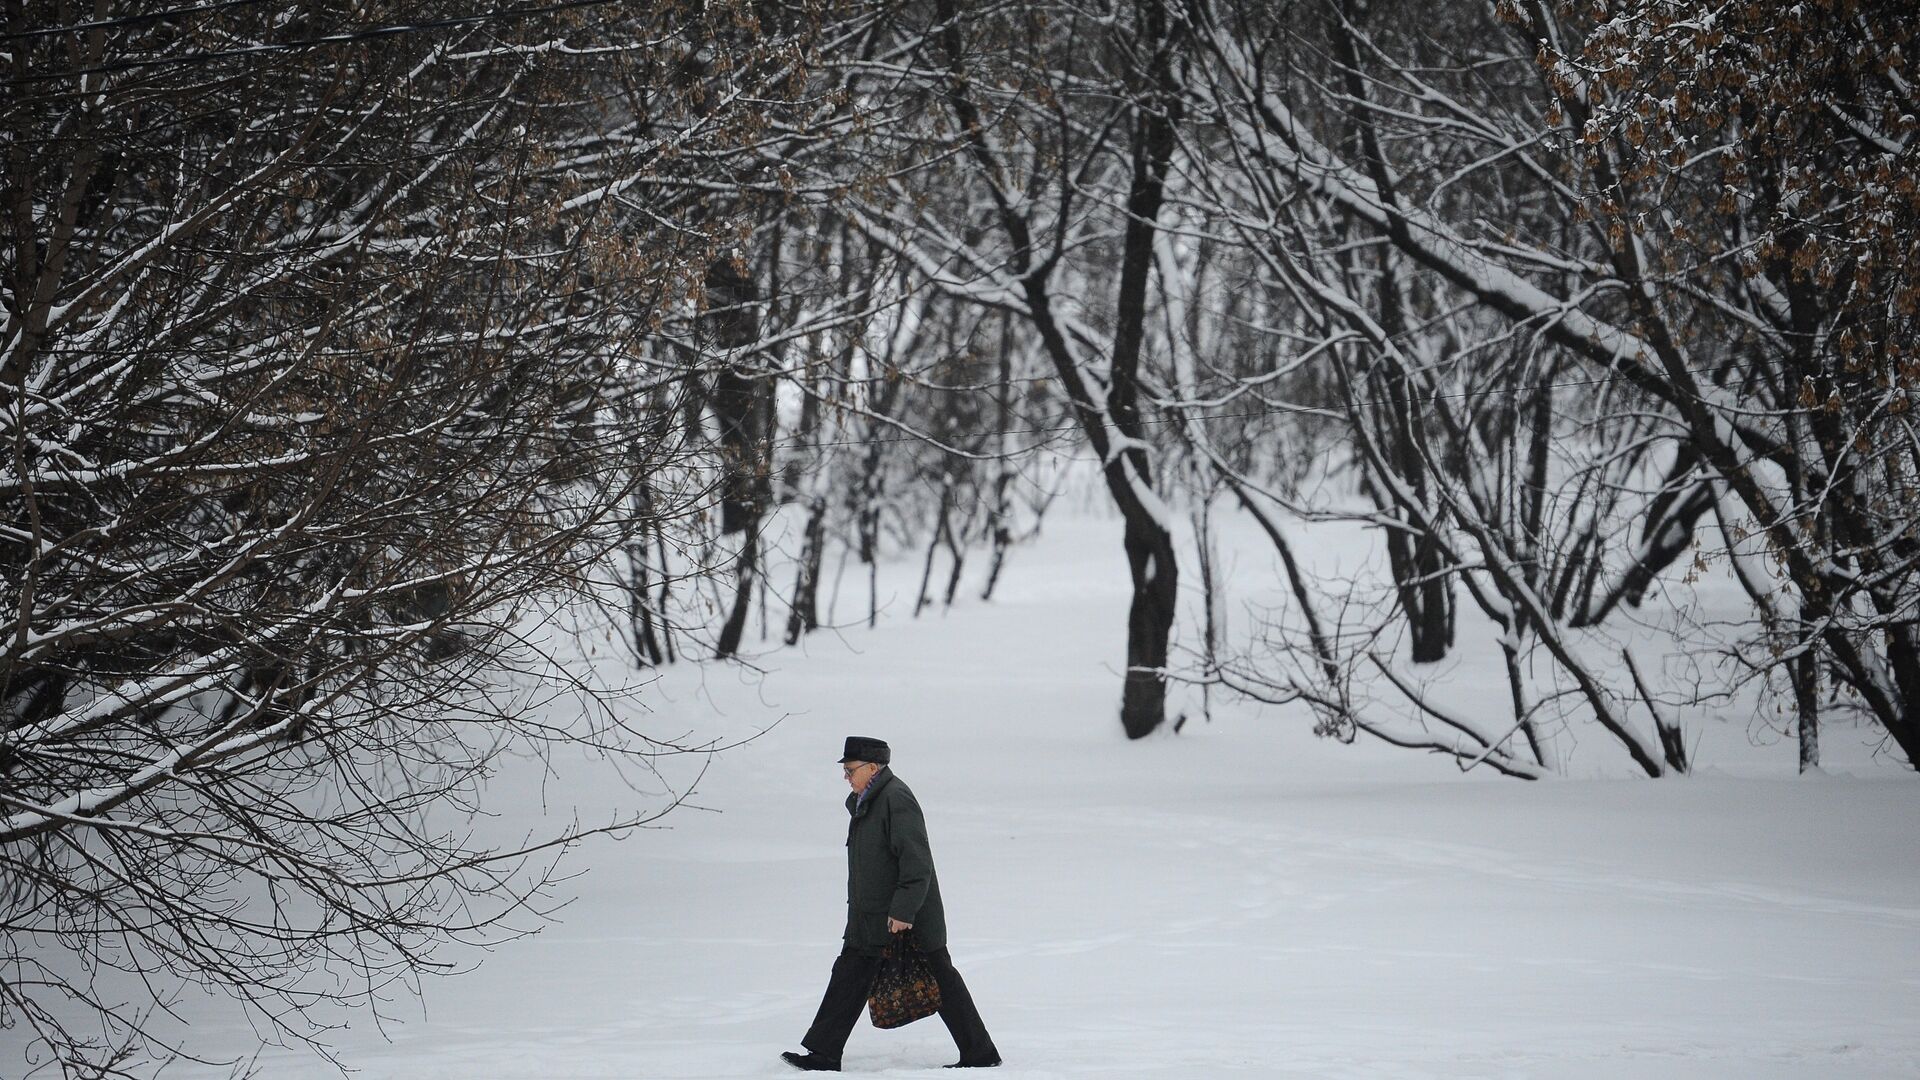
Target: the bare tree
pixel 315 346
pixel 1550 265
pixel 1055 133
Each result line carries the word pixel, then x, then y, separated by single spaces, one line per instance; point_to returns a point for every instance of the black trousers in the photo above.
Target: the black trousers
pixel 846 995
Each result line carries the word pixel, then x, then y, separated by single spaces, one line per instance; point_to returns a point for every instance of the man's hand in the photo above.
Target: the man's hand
pixel 894 925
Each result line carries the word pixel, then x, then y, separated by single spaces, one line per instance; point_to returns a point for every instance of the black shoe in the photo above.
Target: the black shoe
pixel 811 1062
pixel 963 1063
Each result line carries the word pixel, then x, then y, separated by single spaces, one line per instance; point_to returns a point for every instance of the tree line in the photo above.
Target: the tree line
pixel 341 338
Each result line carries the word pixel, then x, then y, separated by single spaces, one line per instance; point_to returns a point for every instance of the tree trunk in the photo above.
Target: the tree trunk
pixel 1113 428
pixel 1673 746
pixel 1149 626
pixel 999 529
pixel 745 571
pixel 804 618
pixel 666 579
pixel 1806 694
pixel 956 547
pixel 736 403
pixel 639 612
pixel 833 595
pixel 646 645
pixel 933 543
pixel 1209 587
pixel 1420 572
pixel 745 489
pixel 1148 543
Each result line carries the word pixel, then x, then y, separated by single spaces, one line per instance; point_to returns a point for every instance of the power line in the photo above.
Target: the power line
pixel 390 30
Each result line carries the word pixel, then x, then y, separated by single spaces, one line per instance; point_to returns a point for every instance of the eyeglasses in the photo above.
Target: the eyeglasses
pixel 848 770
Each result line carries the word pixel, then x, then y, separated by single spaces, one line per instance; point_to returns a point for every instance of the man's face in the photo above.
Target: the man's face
pixel 859 774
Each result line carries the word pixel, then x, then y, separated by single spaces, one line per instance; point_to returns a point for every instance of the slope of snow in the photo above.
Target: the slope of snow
pixel 1239 899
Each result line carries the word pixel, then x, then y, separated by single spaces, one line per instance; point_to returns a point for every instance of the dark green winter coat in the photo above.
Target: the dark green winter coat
pixel 890 868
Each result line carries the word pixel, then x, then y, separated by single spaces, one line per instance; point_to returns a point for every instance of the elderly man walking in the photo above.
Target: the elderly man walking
pixel 891 889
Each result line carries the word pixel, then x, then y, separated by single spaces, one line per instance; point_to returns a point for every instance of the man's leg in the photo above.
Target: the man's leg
pixel 957 1011
pixel 840 1007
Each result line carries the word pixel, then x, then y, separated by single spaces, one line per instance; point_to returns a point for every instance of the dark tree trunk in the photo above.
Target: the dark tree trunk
pixel 999 527
pixel 745 572
pixel 933 543
pixel 1666 533
pixel 864 496
pixel 833 595
pixel 1422 579
pixel 745 486
pixel 1156 109
pixel 1209 586
pixel 1000 531
pixel 646 644
pixel 957 549
pixel 1143 698
pixel 1424 592
pixel 1673 746
pixel 737 402
pixel 1806 695
pixel 1420 572
pixel 1148 543
pixel 761 579
pixel 733 406
pixel 666 580
pixel 1903 656
pixel 804 617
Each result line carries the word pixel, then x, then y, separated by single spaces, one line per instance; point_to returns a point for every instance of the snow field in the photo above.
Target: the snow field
pixel 1240 899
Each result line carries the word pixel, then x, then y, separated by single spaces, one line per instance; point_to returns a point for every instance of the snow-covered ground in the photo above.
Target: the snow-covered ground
pixel 1237 899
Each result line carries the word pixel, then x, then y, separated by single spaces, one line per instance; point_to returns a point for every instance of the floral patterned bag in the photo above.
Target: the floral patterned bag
pixel 904 989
